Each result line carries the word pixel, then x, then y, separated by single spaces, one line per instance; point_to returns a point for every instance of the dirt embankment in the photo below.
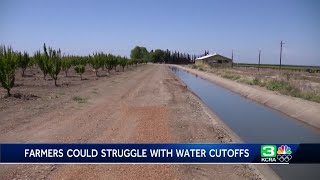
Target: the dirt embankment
pixel 143 105
pixel 300 109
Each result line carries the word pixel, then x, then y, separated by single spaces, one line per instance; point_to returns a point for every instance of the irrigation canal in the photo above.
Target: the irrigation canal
pixel 255 123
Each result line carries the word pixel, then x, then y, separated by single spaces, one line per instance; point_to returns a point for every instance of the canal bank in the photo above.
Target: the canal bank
pixel 305 111
pixel 255 123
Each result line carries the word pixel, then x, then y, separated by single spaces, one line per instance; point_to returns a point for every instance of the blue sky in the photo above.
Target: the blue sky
pixel 81 27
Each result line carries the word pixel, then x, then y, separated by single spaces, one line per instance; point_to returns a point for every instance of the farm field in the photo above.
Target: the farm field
pixel 274 66
pixel 299 84
pixel 121 107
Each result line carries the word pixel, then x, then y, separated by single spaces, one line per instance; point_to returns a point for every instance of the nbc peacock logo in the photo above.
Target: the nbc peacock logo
pixel 284 149
pixel 284 153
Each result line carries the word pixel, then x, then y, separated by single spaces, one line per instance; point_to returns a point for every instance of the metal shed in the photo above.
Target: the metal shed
pixel 214 60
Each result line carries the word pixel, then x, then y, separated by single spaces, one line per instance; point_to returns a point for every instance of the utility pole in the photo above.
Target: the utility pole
pixel 281 43
pixel 259 60
pixel 232 58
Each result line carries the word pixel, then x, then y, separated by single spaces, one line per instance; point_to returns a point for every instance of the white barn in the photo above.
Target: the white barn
pixel 214 60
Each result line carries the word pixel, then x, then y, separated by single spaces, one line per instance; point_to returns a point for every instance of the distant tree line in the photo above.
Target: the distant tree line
pixel 164 56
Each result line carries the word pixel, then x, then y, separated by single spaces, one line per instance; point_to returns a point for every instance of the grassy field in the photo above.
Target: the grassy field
pixel 299 84
pixel 277 66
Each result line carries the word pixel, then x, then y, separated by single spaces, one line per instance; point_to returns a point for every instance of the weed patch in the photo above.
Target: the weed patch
pixel 311 96
pixel 231 76
pixel 79 99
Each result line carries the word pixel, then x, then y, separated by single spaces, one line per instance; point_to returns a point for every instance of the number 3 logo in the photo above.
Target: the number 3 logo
pixel 268 151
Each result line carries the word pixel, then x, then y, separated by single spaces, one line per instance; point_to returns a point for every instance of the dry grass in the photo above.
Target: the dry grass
pixel 297 84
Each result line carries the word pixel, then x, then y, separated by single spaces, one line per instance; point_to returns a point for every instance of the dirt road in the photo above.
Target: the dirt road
pixel 144 105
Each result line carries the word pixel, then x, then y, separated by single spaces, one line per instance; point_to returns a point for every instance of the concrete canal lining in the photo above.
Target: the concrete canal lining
pixel 255 123
pixel 306 111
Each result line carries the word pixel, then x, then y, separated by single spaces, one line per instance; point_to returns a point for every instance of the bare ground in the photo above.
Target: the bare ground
pixel 146 104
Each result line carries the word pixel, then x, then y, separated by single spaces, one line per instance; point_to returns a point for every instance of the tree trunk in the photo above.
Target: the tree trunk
pixel 8 92
pixel 23 72
pixel 55 82
pixel 66 73
pixel 81 76
pixel 97 73
pixel 122 68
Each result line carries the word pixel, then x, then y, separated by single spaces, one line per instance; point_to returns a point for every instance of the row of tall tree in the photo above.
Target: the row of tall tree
pixel 164 56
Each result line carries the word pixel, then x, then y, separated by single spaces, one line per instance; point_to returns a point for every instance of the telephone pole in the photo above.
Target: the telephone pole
pixel 259 60
pixel 232 58
pixel 281 43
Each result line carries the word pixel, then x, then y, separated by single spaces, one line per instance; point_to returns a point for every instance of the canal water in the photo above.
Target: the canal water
pixel 255 123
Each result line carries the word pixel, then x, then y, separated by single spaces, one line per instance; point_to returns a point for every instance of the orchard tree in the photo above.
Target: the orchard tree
pixel 42 62
pixel 110 62
pixel 97 61
pixel 8 64
pixel 23 61
pixel 66 64
pixel 80 69
pixel 130 62
pixel 123 62
pixel 114 62
pixel 54 63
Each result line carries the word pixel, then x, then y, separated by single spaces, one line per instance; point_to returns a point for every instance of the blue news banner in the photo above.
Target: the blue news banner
pixel 159 153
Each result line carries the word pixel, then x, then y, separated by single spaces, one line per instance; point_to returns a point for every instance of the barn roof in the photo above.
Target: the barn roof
pixel 210 55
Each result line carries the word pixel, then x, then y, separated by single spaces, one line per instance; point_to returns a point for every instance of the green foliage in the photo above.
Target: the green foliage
pixel 8 64
pixel 79 60
pixel 80 69
pixel 134 61
pixel 111 62
pixel 287 89
pixel 123 62
pixel 231 76
pixel 258 82
pixel 130 62
pixel 66 64
pixel 276 85
pixel 139 53
pixel 79 99
pixel 97 61
pixel 32 62
pixel 54 62
pixel 23 61
pixel 311 96
pixel 42 62
pixel 283 87
pixel 172 57
pixel 157 56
